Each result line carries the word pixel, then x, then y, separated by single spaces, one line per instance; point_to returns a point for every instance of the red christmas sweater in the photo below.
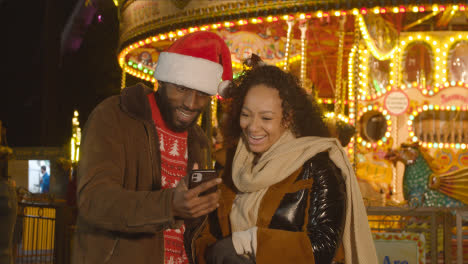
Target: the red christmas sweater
pixel 173 147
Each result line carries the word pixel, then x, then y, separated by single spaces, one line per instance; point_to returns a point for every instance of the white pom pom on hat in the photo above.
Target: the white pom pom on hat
pixel 200 61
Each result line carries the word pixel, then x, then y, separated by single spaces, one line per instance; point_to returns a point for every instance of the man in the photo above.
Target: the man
pixel 45 180
pixel 133 205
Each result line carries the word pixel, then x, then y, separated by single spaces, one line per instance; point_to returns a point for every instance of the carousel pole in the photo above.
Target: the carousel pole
pixel 395 182
pixel 339 69
pixel 288 43
pixel 355 82
pixel 303 28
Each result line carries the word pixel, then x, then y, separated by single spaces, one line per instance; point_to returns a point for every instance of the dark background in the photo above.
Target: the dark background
pixel 42 83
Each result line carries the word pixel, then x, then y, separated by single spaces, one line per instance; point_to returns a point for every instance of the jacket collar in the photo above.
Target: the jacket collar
pixel 134 101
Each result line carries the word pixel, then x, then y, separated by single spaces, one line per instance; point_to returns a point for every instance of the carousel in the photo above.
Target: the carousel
pixel 391 75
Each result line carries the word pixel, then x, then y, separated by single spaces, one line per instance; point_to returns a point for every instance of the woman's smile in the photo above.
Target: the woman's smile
pixel 255 140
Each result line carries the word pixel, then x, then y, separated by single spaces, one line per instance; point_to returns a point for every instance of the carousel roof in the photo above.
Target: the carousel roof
pixel 141 19
pixel 148 27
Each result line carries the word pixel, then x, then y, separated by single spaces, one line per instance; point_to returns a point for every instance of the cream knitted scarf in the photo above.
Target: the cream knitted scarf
pixel 282 159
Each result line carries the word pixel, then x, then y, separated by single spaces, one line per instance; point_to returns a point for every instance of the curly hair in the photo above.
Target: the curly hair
pixel 299 107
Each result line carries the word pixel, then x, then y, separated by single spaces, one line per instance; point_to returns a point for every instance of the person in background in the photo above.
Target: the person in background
pixel 132 197
pixel 289 194
pixel 8 203
pixel 45 180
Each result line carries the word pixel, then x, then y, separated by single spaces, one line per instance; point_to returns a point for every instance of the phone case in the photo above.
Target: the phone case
pixel 198 177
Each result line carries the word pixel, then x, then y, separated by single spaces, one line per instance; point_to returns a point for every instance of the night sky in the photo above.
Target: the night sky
pixel 42 87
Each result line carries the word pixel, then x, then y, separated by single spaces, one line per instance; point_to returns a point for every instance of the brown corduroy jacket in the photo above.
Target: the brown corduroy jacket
pixel 122 208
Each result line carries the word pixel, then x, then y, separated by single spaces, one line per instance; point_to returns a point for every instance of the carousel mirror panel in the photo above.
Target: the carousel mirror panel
pixel 441 126
pixel 379 73
pixel 417 65
pixel 372 126
pixel 458 63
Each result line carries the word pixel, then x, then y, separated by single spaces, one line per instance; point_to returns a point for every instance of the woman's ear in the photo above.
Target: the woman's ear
pixel 288 121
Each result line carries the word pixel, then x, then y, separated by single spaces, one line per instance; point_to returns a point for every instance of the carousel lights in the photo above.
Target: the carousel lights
pixel 387 135
pixel 339 116
pixel 424 108
pixel 369 43
pixel 270 18
pixel 76 138
pixel 440 50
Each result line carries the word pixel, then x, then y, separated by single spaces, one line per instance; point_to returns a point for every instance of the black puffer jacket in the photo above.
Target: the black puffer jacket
pixel 301 219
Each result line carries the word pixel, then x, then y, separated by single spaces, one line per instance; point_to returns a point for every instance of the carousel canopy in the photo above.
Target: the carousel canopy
pixel 313 39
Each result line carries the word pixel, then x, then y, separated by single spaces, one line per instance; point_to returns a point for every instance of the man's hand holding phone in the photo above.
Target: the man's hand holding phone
pixel 200 199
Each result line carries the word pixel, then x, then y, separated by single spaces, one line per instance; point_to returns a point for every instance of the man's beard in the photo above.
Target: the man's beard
pixel 167 111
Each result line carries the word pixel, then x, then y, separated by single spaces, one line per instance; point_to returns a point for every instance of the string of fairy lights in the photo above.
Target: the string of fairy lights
pixel 76 138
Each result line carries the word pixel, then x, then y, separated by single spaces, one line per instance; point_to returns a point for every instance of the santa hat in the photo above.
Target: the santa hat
pixel 200 61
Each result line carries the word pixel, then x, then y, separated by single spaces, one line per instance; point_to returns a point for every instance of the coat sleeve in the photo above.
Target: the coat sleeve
pixel 327 208
pixel 102 201
pixel 321 237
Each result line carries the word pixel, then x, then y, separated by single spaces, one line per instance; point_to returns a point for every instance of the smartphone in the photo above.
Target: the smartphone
pixel 198 177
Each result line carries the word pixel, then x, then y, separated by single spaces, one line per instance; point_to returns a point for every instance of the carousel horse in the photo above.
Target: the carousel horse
pixel 423 186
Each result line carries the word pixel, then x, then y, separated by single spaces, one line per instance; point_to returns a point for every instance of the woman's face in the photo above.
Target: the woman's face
pixel 261 118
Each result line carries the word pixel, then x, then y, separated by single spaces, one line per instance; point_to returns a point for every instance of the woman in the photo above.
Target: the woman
pixel 288 190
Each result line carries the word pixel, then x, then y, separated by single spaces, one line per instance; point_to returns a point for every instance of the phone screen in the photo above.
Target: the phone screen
pixel 198 177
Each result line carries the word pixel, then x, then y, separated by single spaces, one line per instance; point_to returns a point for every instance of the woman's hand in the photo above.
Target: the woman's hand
pixel 223 252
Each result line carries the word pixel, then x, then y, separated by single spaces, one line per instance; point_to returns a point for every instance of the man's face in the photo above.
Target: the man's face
pixel 180 106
